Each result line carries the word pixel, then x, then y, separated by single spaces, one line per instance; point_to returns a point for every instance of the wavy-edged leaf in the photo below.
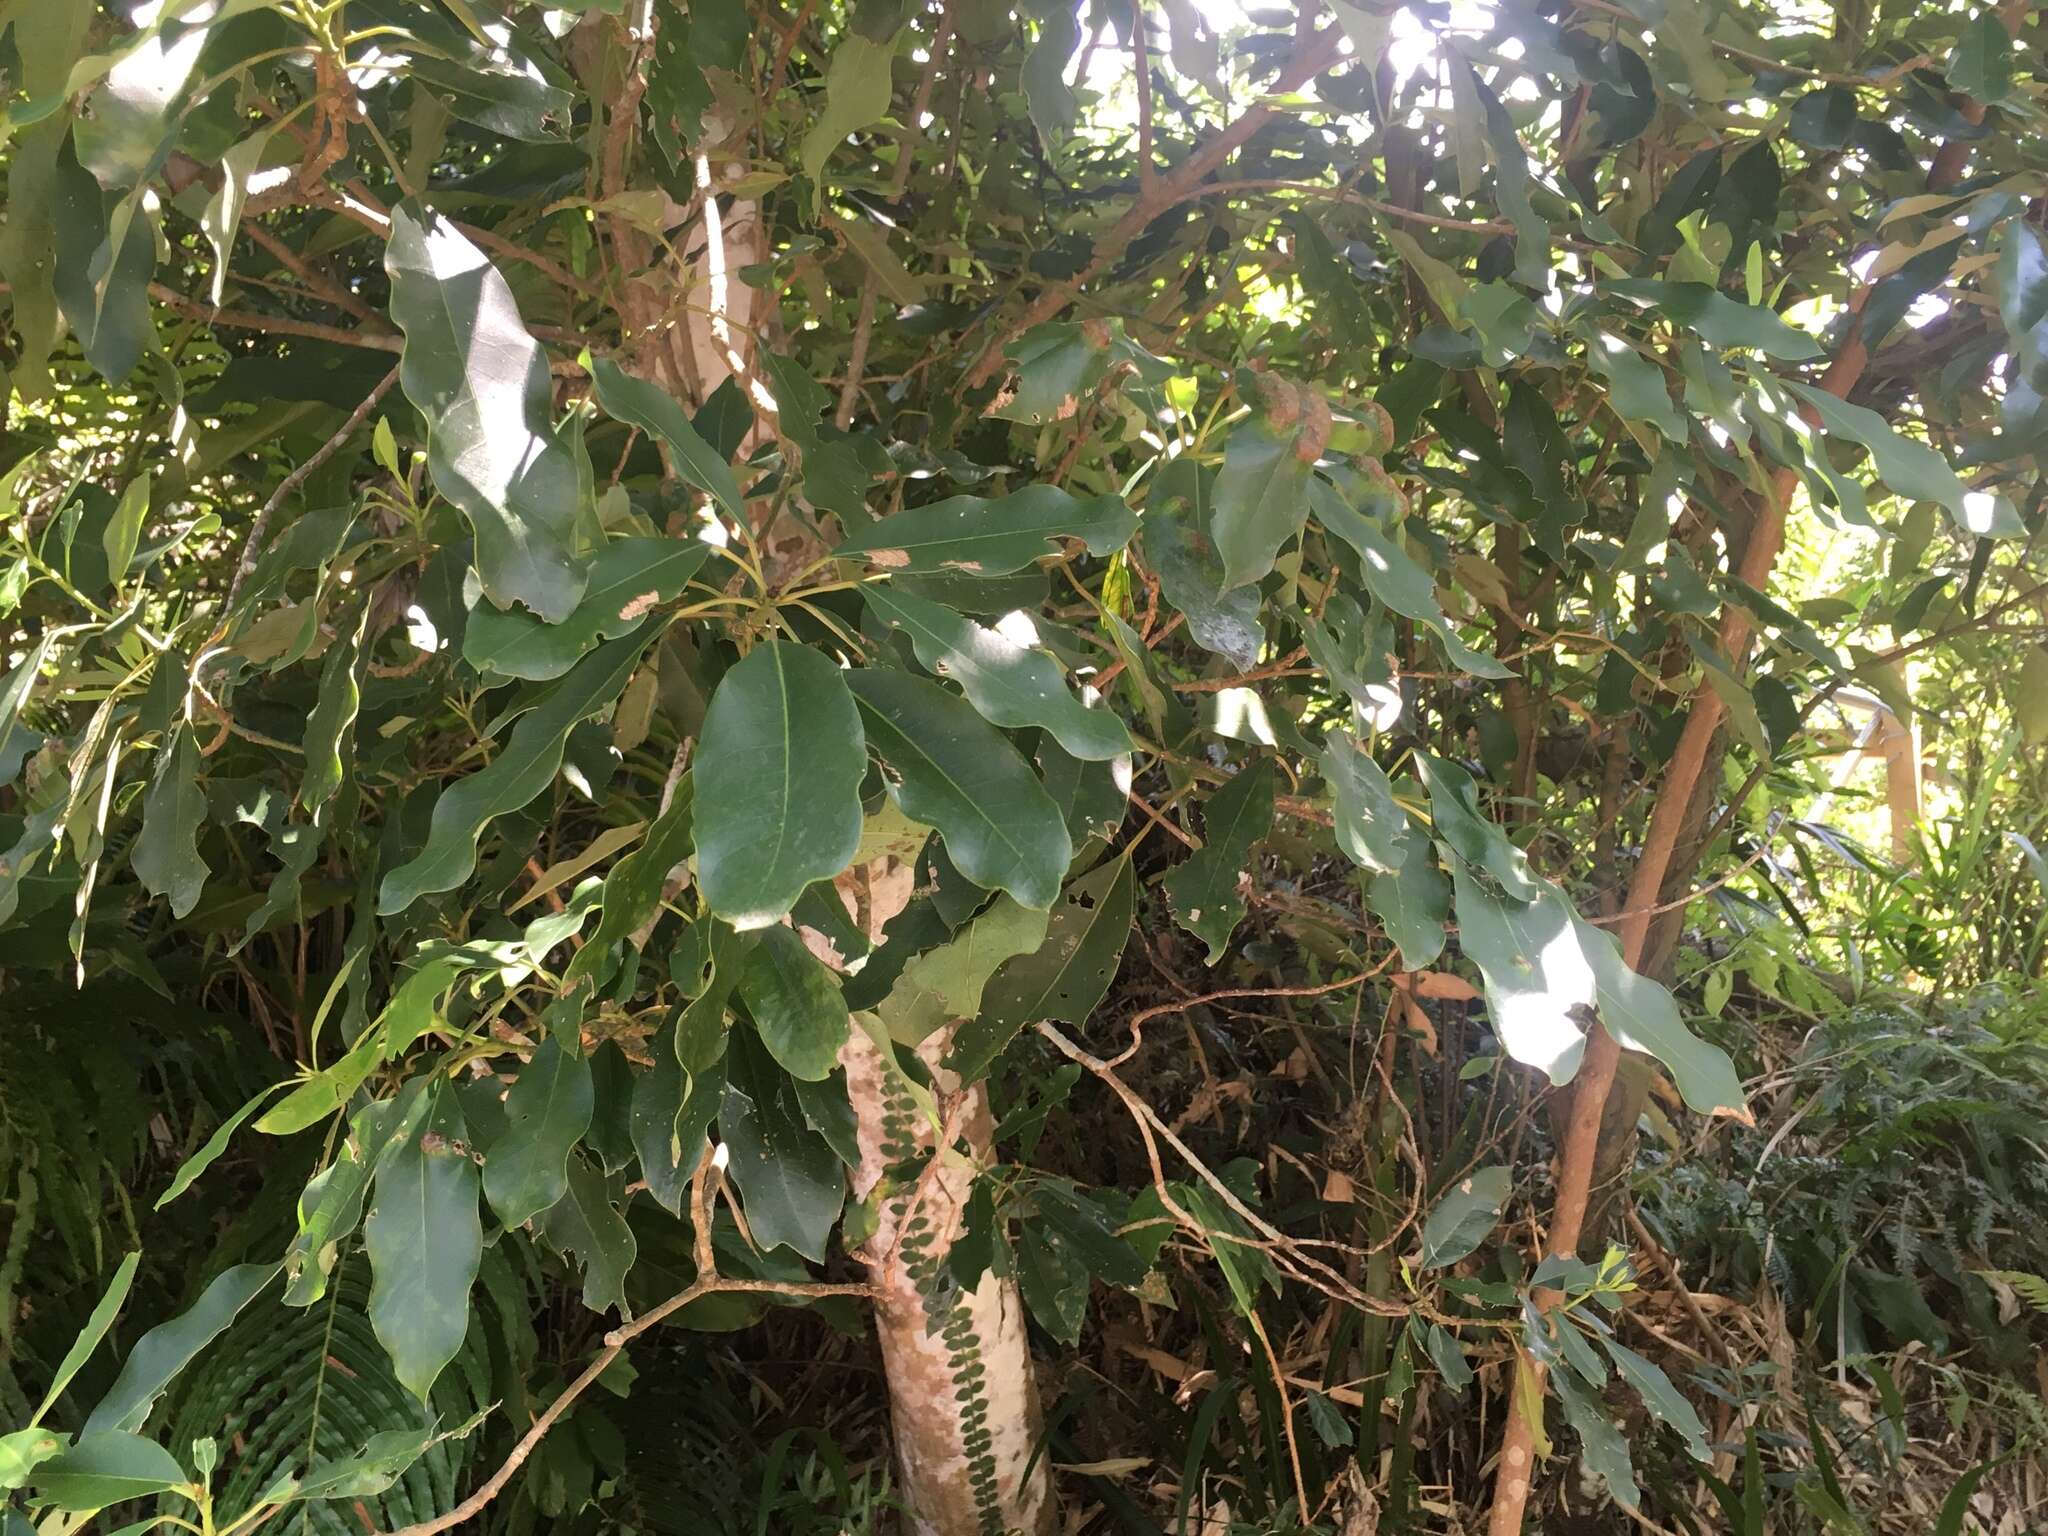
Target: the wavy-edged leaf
pixel 672 1110
pixel 89 1336
pixel 795 1003
pixel 1063 979
pixel 586 1225
pixel 522 769
pixel 1660 1396
pixel 1643 1016
pixel 946 982
pixel 1412 902
pixel 633 887
pixel 1455 814
pixel 629 579
pixel 482 383
pixel 1001 829
pixel 425 1238
pixel 1603 1446
pixel 1261 497
pixel 166 858
pixel 1010 685
pixel 1912 470
pixel 547 1111
pixel 1178 548
pixel 857 90
pixel 168 1348
pixel 1717 319
pixel 779 766
pixel 1204 889
pixel 989 536
pixel 790 1179
pixel 1539 980
pixel 332 720
pixel 639 403
pixel 1370 822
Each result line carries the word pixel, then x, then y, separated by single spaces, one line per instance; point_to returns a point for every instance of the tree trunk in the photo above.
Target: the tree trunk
pixel 962 1397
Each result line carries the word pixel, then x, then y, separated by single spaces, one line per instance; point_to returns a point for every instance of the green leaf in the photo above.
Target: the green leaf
pixel 106 255
pixel 1053 1280
pixel 89 1336
pixel 779 767
pixel 795 1003
pixel 1245 1268
pixel 1412 902
pixel 105 1467
pixel 1660 1397
pixel 1055 364
pixel 1643 1017
pixel 1063 979
pixel 629 579
pixel 1636 384
pixel 223 214
pixel 23 1451
pixel 382 1461
pixel 789 1177
pixel 482 383
pixel 425 1239
pixel 672 1110
pixel 858 85
pixel 633 888
pixel 638 403
pixel 1203 889
pixel 1603 1446
pixel 169 1347
pixel 946 983
pixel 1370 822
pixel 586 1225
pixel 333 718
pixel 1011 685
pixel 1177 547
pixel 1048 99
pixel 1981 65
pixel 1539 981
pixel 1718 319
pixel 1261 497
pixel 546 1113
pixel 1448 1355
pixel 1912 470
pixel 124 528
pixel 523 769
pixel 1001 829
pixel 189 1171
pixel 1461 1220
pixel 332 1205
pixel 989 536
pixel 1454 811
pixel 166 858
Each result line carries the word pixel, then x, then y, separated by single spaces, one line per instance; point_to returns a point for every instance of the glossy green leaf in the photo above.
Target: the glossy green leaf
pixel 1643 1016
pixel 1981 65
pixel 795 1004
pixel 1370 823
pixel 633 888
pixel 103 1313
pixel 1461 1219
pixel 585 1223
pixel 1010 685
pixel 332 720
pixel 1458 820
pixel 124 528
pixel 672 1110
pixel 1538 978
pixel 189 1170
pixel 482 383
pixel 1912 470
pixel 1639 390
pixel 331 1207
pixel 857 90
pixel 522 769
pixel 105 1467
pixel 629 579
pixel 223 215
pixel 638 403
pixel 166 857
pixel 779 767
pixel 169 1347
pixel 105 257
pixel 946 982
pixel 1204 889
pixel 22 1451
pixel 547 1111
pixel 1412 902
pixel 1261 497
pixel 1001 829
pixel 789 1178
pixel 1717 319
pixel 425 1239
pixel 1660 1397
pixel 1601 1443
pixel 1048 99
pixel 1063 979
pixel 1178 548
pixel 1448 1355
pixel 990 536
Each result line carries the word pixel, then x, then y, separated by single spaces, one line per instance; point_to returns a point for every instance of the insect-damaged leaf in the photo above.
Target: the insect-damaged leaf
pixel 586 1225
pixel 482 383
pixel 1000 827
pixel 1063 979
pixel 425 1239
pixel 779 767
pixel 629 579
pixel 946 983
pixel 1010 685
pixel 524 768
pixel 1261 497
pixel 1203 889
pixel 547 1111
pixel 989 536
pixel 789 1177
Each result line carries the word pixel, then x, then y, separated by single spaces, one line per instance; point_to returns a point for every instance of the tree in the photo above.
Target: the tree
pixel 625 573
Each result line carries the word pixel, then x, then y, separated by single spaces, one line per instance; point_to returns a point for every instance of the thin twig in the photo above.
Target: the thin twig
pixel 253 545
